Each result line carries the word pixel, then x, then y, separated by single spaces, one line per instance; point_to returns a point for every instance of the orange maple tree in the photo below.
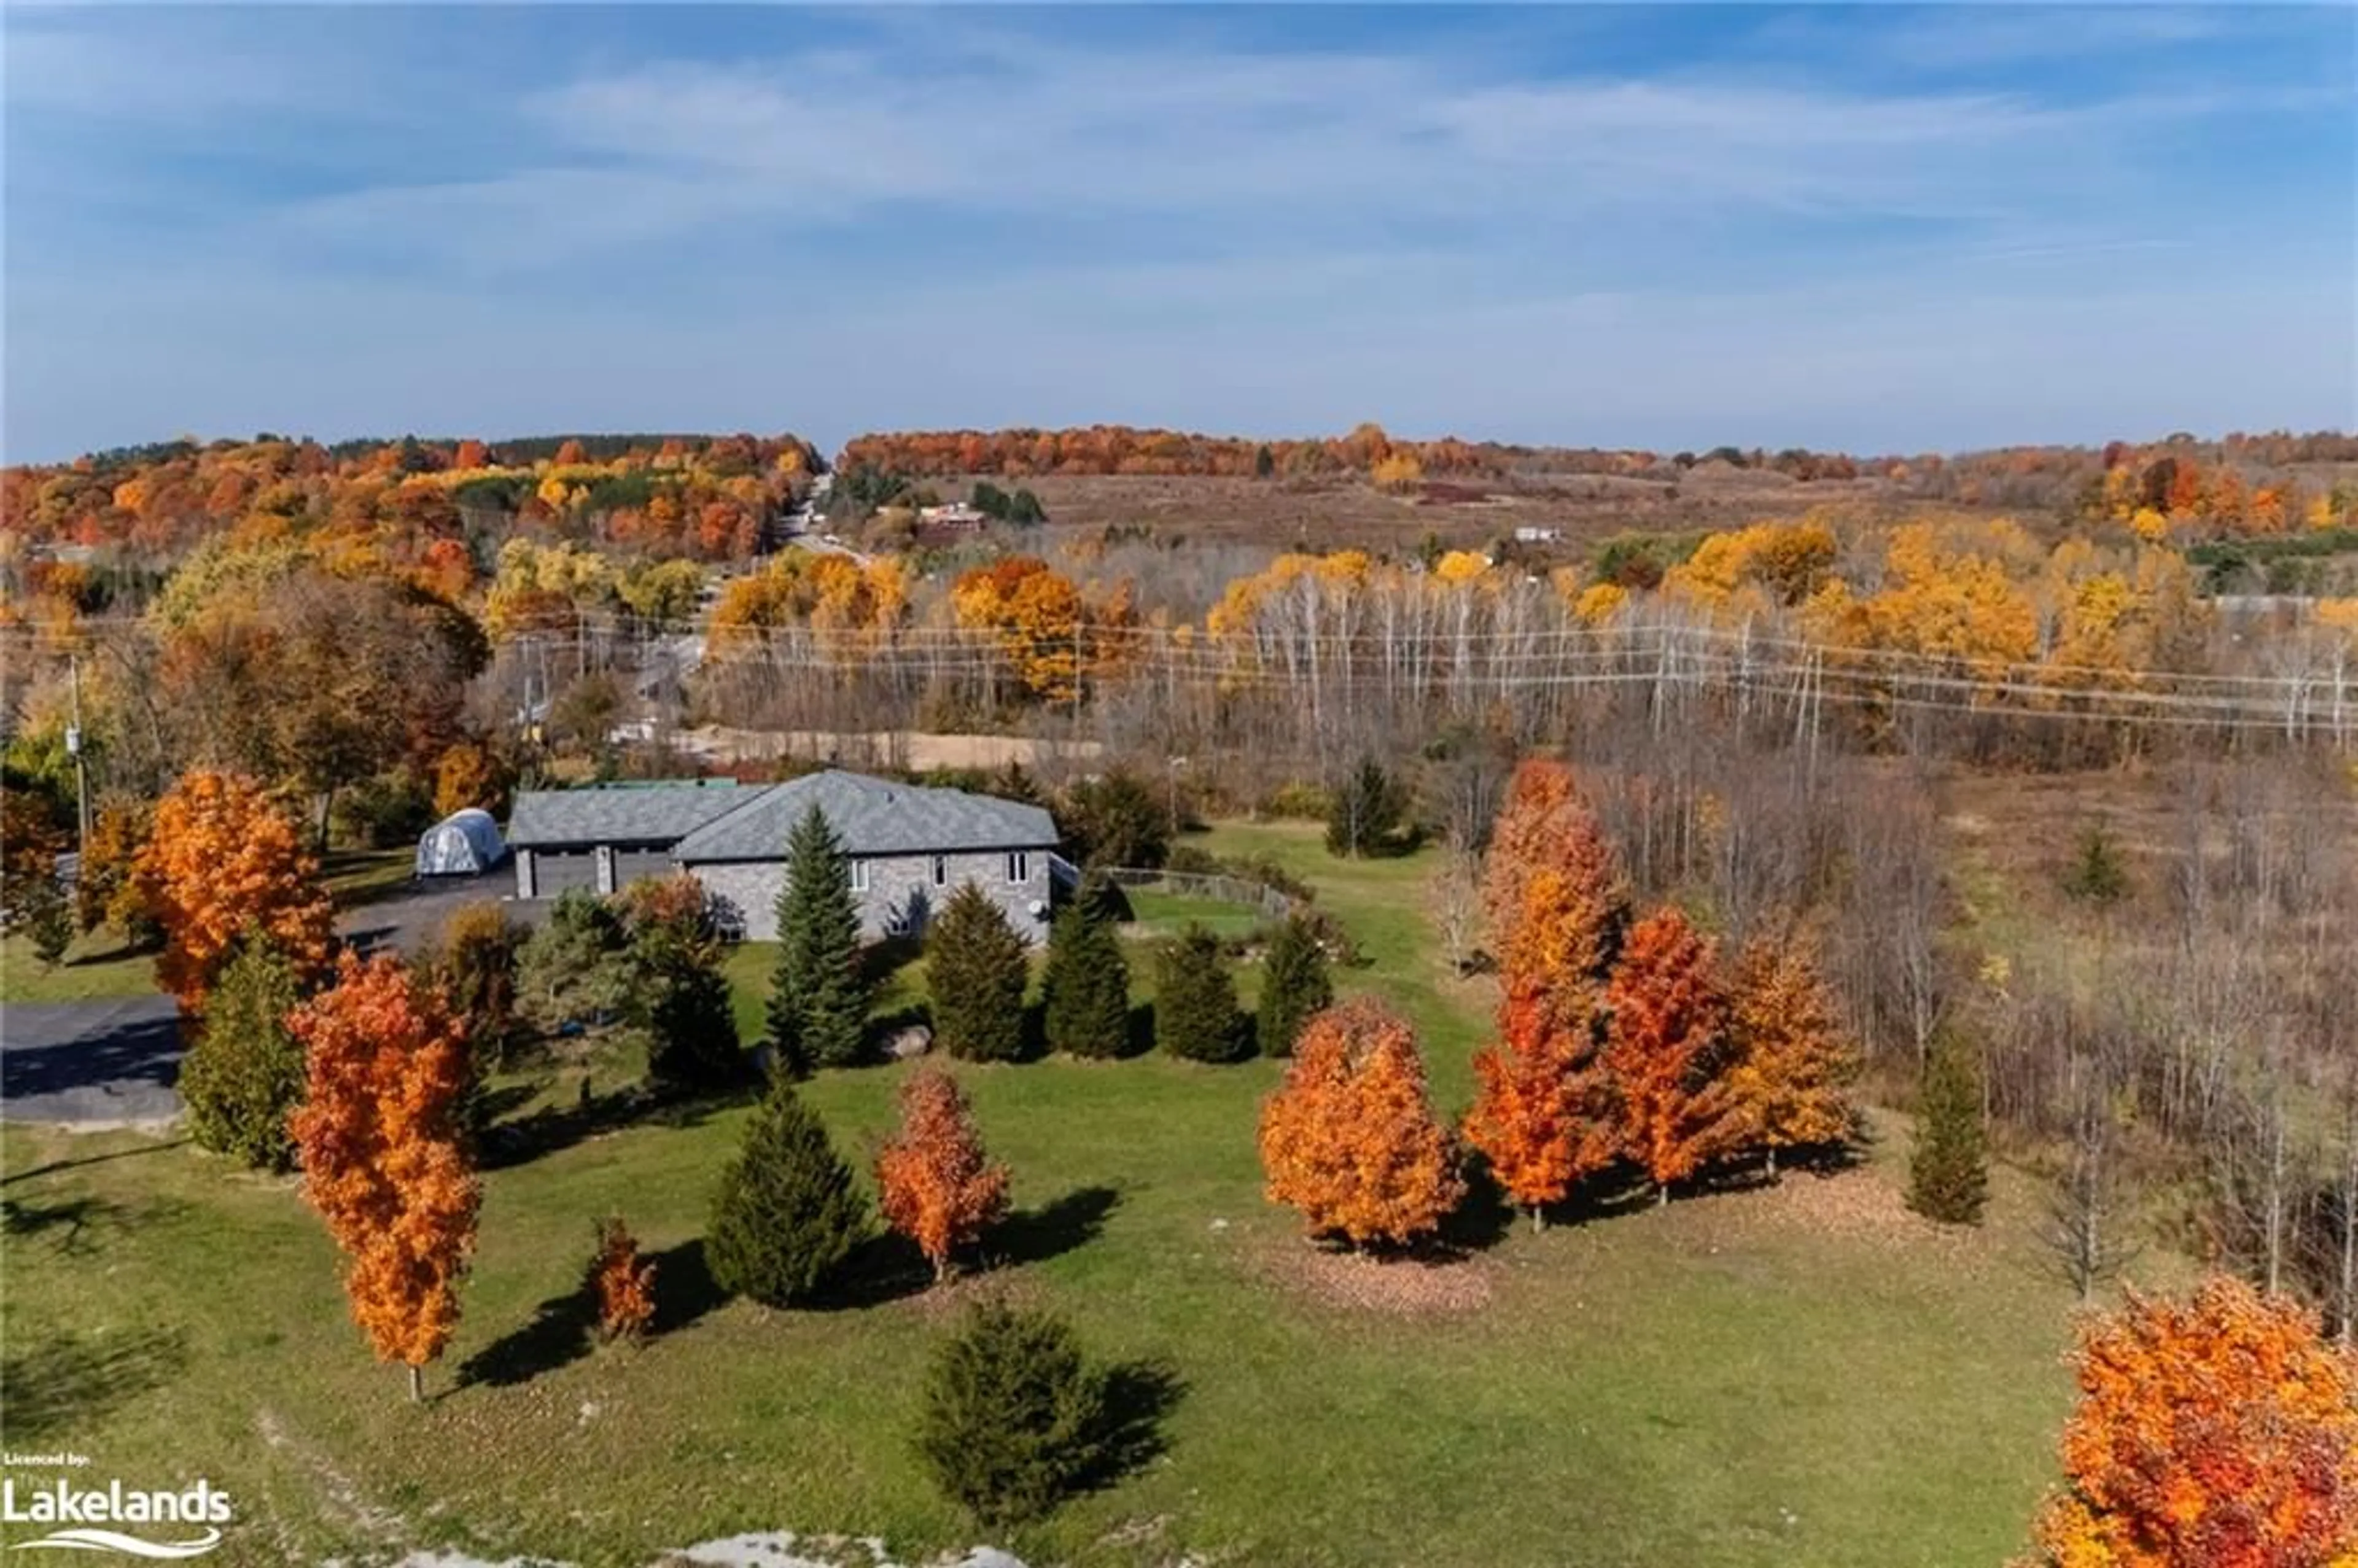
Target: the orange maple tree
pixel 1542 1114
pixel 622 1286
pixel 2219 1432
pixel 384 1154
pixel 936 1188
pixel 1664 1043
pixel 1350 1138
pixel 1554 891
pixel 220 861
pixel 1791 1058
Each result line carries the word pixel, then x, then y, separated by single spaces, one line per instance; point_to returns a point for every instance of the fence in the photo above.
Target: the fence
pixel 1272 904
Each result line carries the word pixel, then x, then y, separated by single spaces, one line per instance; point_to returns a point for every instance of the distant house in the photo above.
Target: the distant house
pixel 910 846
pixel 957 515
pixel 1531 536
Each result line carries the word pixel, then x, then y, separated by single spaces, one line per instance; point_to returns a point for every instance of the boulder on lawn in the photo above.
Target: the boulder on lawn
pixel 906 1045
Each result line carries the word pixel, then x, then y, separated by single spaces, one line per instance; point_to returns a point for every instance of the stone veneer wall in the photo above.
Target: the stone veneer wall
pixel 895 883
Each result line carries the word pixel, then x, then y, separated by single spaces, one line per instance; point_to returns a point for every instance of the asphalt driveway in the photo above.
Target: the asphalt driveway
pixel 114 1062
pixel 90 1064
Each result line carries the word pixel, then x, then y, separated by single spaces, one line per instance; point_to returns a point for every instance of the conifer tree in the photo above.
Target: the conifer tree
pixel 246 1071
pixel 1016 1416
pixel 1084 991
pixel 1295 985
pixel 1948 1177
pixel 788 1212
pixel 681 1003
pixel 1196 1012
pixel 976 969
pixel 1365 811
pixel 818 995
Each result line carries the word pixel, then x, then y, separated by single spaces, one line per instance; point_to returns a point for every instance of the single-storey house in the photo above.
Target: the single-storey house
pixel 910 846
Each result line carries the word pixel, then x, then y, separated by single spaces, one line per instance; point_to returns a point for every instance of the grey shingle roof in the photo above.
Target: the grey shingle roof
pixel 655 813
pixel 872 816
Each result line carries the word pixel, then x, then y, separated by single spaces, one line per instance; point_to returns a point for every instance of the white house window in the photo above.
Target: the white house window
pixel 941 870
pixel 1019 866
pixel 859 876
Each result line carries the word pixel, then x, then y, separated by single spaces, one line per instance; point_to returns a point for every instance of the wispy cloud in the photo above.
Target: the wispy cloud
pixel 1664 220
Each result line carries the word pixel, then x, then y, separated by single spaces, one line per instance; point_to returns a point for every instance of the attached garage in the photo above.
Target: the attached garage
pixel 602 838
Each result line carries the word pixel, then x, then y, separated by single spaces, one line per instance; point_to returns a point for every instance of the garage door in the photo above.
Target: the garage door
pixel 629 865
pixel 557 872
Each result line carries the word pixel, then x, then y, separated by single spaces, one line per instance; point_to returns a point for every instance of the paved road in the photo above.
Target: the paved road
pixel 89 1063
pixel 96 1063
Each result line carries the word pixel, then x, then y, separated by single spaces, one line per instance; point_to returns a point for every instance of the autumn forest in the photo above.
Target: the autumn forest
pixel 1485 859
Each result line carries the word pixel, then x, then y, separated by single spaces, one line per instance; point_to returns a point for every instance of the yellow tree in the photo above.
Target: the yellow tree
pixel 1791 1058
pixel 221 861
pixel 382 1145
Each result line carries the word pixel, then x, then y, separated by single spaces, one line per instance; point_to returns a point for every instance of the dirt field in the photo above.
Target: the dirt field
pixel 899 749
pixel 1584 508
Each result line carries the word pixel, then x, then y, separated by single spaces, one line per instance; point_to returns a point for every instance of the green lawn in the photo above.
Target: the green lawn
pixel 1804 1376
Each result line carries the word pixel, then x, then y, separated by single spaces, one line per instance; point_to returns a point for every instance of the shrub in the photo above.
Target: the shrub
pixel 477 969
pixel 1948 1178
pixel 574 968
pixel 1298 801
pixel 245 1072
pixel 1295 985
pixel 622 1286
pixel 787 1213
pixel 383 812
pixel 1086 989
pixel 1116 820
pixel 1015 1417
pixel 1195 1014
pixel 976 969
pixel 1193 859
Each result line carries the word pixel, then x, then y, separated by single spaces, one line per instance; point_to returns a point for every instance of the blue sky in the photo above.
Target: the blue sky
pixel 1874 228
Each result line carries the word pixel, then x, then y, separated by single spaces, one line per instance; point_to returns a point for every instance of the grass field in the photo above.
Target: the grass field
pixel 1803 1375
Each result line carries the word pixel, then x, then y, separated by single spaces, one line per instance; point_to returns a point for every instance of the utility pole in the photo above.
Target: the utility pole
pixel 73 749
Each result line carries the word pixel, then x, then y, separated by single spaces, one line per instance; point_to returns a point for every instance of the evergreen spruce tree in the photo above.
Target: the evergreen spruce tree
pixel 788 1212
pixel 245 1072
pixel 1294 985
pixel 2097 874
pixel 819 995
pixel 681 1004
pixel 1196 1012
pixel 1085 987
pixel 1016 1417
pixel 1948 1179
pixel 976 969
pixel 1366 810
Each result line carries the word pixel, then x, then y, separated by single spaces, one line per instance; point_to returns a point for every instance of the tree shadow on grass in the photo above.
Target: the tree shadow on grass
pixel 1060 1226
pixel 885 1267
pixel 524 1138
pixel 63 1222
pixel 1138 1037
pixel 1138 1397
pixel 685 1288
pixel 557 1332
pixel 64 1382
